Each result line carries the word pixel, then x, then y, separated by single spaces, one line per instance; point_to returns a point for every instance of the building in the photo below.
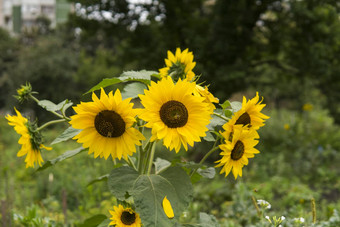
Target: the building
pixel 15 15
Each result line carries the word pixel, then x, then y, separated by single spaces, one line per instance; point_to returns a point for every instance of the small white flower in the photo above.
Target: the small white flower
pixel 302 220
pixel 264 203
pixel 267 217
pixel 283 218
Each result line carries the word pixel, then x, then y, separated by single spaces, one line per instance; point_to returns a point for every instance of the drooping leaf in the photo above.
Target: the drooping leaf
pixel 66 155
pixel 132 90
pixel 216 121
pixel 94 221
pixel 69 133
pixel 99 179
pixel 121 181
pixel 148 194
pixel 209 137
pixel 50 106
pixel 161 165
pixel 236 106
pixel 207 172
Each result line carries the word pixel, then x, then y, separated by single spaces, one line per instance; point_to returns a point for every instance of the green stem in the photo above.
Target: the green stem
pixel 53 112
pixel 147 150
pixel 221 116
pixel 50 123
pixel 204 158
pixel 153 149
pixel 130 161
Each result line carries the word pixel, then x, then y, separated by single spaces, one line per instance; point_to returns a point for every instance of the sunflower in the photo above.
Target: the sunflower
pixel 179 65
pixel 208 97
pixel 106 125
pixel 250 114
pixel 174 114
pixel 124 217
pixel 30 139
pixel 235 153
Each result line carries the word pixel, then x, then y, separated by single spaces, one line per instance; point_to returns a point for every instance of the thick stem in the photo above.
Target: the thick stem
pixel 153 149
pixel 50 123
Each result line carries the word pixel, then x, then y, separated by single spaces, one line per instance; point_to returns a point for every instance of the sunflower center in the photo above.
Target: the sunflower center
pixel 109 124
pixel 174 114
pixel 238 151
pixel 128 218
pixel 244 119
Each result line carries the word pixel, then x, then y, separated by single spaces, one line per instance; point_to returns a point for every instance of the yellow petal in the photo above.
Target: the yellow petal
pixel 167 208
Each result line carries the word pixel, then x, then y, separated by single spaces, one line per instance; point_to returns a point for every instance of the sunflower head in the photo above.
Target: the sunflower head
pixel 236 152
pixel 124 217
pixel 174 114
pixel 107 125
pixel 31 139
pixel 179 65
pixel 24 92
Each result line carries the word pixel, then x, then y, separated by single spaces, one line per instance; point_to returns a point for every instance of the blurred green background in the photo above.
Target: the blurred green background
pixel 288 50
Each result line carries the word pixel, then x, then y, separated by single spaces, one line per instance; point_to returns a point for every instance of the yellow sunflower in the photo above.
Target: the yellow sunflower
pixel 30 140
pixel 174 114
pixel 208 97
pixel 179 65
pixel 124 217
pixel 235 153
pixel 106 125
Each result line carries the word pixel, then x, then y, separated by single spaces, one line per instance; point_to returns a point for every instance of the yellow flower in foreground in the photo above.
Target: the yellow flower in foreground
pixel 174 114
pixel 180 65
pixel 30 140
pixel 209 98
pixel 124 217
pixel 235 153
pixel 106 125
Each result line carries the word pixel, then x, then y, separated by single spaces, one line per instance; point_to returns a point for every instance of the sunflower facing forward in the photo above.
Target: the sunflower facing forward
pixel 235 153
pixel 30 139
pixel 124 217
pixel 174 114
pixel 106 125
pixel 179 65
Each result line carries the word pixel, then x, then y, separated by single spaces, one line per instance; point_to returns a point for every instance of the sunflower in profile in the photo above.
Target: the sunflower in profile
pixel 208 97
pixel 179 65
pixel 174 114
pixel 30 140
pixel 250 114
pixel 235 153
pixel 124 217
pixel 106 125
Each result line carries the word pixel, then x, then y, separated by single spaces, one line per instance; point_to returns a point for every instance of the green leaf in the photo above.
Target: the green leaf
pixel 104 83
pixel 105 223
pixel 225 105
pixel 69 133
pixel 216 121
pixel 66 155
pixel 94 221
pixel 132 90
pixel 143 74
pixel 207 172
pixel 148 194
pixel 50 106
pixel 121 180
pixel 207 220
pixel 209 137
pixel 98 179
pixel 236 106
pixel 228 113
pixel 161 165
pixel 180 180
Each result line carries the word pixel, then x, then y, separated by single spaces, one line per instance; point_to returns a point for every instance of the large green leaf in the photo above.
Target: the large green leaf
pixel 142 76
pixel 236 106
pixel 148 194
pixel 50 106
pixel 66 155
pixel 132 90
pixel 182 185
pixel 161 165
pixel 121 181
pixel 66 135
pixel 94 221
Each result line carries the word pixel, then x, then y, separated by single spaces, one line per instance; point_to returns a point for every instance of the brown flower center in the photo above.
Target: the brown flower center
pixel 244 119
pixel 128 218
pixel 238 151
pixel 109 124
pixel 174 114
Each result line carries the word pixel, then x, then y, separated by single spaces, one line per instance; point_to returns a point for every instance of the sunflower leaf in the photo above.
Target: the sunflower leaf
pixel 161 165
pixel 66 155
pixel 143 74
pixel 50 106
pixel 236 106
pixel 207 220
pixel 207 172
pixel 209 137
pixel 94 221
pixel 66 135
pixel 132 90
pixel 98 179
pixel 121 180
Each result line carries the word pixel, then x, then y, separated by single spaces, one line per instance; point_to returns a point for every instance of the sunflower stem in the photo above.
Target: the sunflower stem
pixel 204 158
pixel 147 150
pixel 153 149
pixel 50 123
pixel 221 116
pixel 131 163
